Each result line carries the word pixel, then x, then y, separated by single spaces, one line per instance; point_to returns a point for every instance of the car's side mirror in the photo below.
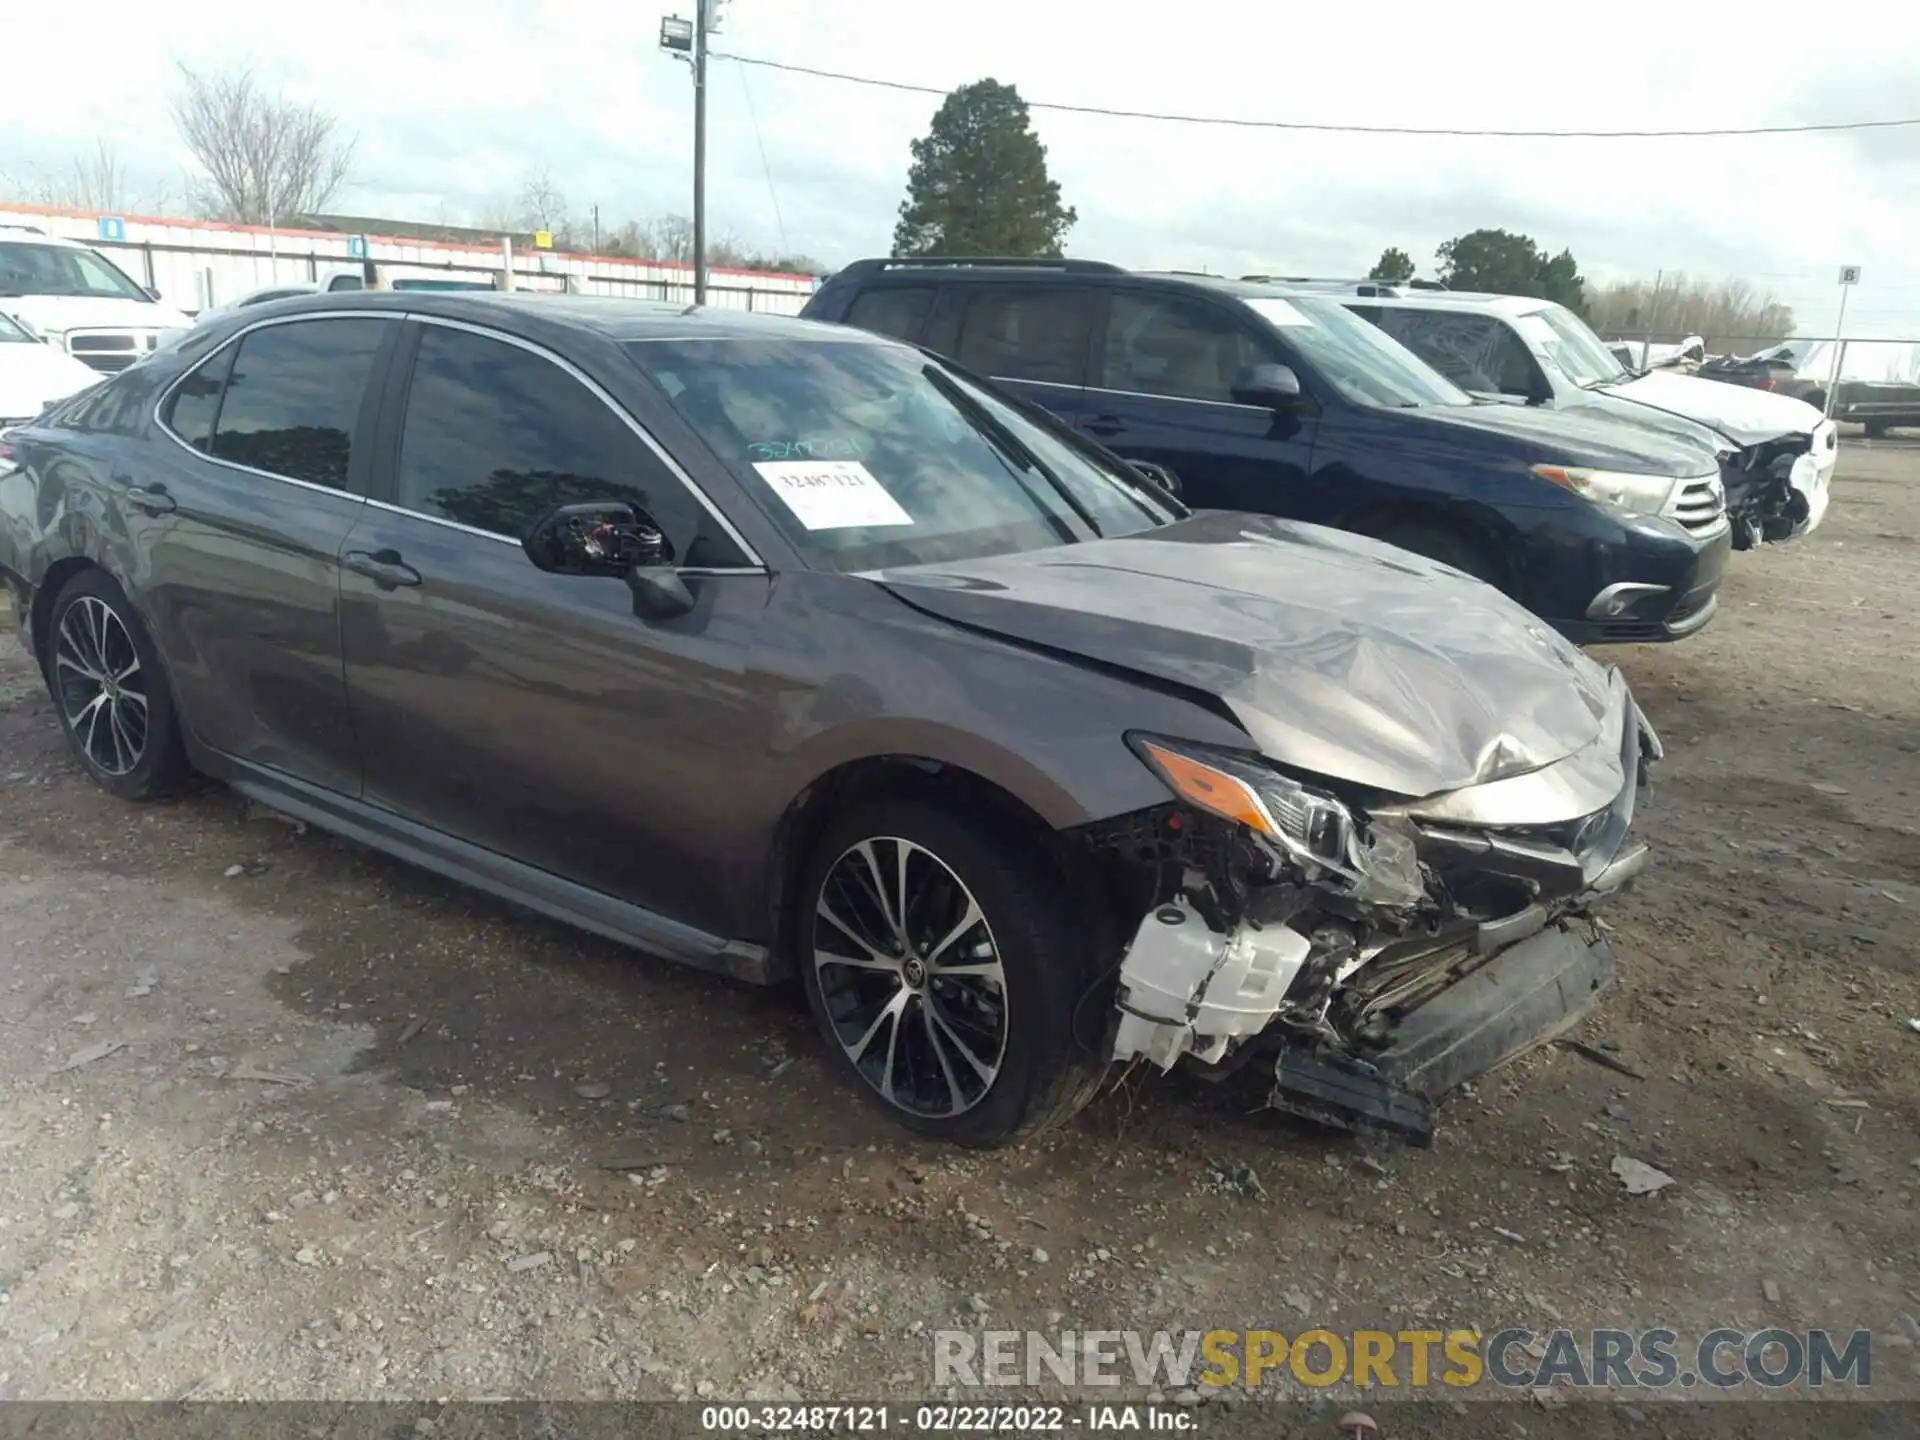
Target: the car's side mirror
pixel 612 537
pixel 1159 475
pixel 602 537
pixel 1273 387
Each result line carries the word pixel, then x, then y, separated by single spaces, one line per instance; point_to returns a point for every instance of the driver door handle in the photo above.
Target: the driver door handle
pixel 1103 425
pixel 384 567
pixel 153 499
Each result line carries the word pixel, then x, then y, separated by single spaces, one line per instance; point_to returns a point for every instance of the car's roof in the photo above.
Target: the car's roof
pixel 27 235
pixel 1058 272
pixel 611 317
pixel 1458 300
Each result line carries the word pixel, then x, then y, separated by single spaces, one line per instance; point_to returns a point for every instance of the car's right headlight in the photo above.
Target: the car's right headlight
pixel 1622 489
pixel 1377 862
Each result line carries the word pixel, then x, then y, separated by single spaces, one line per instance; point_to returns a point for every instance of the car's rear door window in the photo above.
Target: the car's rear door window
pixel 293 397
pixel 897 310
pixel 1476 352
pixel 1027 332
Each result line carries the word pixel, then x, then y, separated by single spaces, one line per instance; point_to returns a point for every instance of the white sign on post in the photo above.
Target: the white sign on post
pixel 1849 274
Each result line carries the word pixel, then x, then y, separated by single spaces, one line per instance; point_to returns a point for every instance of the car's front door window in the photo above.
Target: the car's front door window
pixel 496 436
pixel 1174 346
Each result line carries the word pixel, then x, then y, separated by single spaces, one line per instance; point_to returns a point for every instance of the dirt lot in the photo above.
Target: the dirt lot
pixel 328 1127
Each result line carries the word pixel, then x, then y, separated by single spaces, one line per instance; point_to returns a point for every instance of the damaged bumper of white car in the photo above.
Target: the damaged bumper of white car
pixel 1377 952
pixel 1779 489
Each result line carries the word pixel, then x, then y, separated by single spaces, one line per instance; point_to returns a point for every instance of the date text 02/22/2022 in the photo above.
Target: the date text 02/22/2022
pixel 942 1419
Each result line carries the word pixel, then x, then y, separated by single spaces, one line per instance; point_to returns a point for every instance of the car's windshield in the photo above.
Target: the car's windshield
pixel 12 331
pixel 1557 334
pixel 1365 366
pixel 870 455
pixel 28 269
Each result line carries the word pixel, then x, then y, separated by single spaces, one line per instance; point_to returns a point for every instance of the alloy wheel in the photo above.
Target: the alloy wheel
pixel 103 694
pixel 911 976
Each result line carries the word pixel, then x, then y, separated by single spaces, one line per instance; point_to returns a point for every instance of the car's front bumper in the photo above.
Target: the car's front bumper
pixel 1671 593
pixel 1505 957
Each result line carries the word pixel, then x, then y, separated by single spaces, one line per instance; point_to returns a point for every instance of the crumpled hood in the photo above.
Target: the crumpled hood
pixel 32 375
pixel 1744 415
pixel 1341 656
pixel 51 313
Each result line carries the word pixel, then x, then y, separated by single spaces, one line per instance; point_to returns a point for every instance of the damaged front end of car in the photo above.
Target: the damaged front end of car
pixel 1777 489
pixel 1378 951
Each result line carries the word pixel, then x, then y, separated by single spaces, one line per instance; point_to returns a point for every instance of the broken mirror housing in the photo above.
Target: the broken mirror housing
pixel 1375 861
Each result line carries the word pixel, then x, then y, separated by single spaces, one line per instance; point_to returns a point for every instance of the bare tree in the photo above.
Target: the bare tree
pixel 263 157
pixel 543 205
pixel 91 180
pixel 1721 313
pixel 672 238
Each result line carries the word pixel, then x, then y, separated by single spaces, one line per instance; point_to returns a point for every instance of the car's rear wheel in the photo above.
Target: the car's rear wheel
pixel 943 967
pixel 105 678
pixel 1876 428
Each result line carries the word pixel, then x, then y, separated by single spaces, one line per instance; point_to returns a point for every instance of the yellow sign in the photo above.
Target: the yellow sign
pixel 543 239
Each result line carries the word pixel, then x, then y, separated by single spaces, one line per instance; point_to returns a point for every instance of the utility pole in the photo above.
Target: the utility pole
pixel 596 229
pixel 688 41
pixel 701 18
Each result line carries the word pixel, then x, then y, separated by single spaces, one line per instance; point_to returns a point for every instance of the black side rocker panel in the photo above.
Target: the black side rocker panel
pixel 496 874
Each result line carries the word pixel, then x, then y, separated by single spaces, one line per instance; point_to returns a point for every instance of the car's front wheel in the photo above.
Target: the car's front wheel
pixel 943 966
pixel 105 678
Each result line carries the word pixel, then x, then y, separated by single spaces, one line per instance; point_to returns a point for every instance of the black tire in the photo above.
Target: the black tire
pixel 92 621
pixel 1437 540
pixel 1876 429
pixel 1042 1075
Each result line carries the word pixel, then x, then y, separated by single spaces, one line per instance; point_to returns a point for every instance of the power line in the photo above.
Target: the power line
pixel 1338 129
pixel 765 168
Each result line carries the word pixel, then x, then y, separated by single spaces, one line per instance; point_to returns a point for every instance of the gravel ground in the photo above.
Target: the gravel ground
pixel 280 1118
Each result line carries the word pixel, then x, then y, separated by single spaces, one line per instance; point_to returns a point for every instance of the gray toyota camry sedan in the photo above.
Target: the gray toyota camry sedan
pixel 786 650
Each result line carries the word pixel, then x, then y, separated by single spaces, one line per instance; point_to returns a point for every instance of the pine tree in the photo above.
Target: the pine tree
pixel 979 182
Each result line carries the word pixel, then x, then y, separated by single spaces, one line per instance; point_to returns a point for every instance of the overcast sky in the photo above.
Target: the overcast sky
pixel 456 104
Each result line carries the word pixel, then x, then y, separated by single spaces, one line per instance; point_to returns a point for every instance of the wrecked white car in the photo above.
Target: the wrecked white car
pixel 1776 453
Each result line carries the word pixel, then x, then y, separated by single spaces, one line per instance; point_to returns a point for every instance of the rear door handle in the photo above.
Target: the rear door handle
pixel 1103 425
pixel 384 567
pixel 153 499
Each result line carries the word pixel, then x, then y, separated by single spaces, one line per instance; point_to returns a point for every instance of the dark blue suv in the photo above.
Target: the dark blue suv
pixel 1258 398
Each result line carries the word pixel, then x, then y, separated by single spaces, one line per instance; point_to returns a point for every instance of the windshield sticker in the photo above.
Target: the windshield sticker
pixel 1279 312
pixel 835 447
pixel 831 494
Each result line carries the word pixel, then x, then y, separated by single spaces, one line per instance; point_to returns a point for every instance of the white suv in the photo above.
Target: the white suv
pixel 1777 453
pixel 73 297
